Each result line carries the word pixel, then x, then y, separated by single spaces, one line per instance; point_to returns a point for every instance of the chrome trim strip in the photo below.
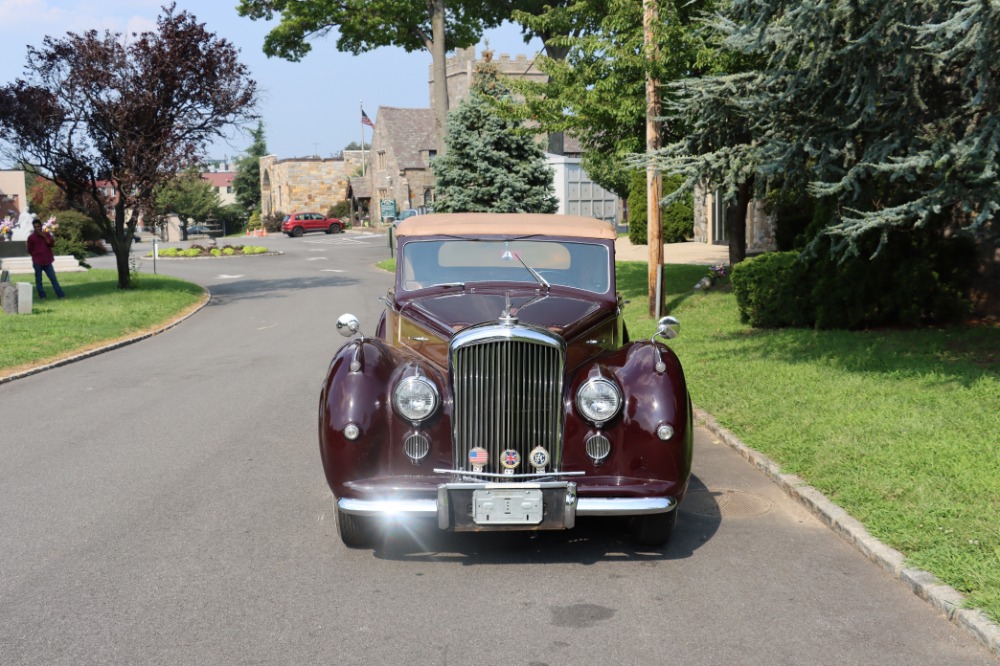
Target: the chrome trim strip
pixel 496 475
pixel 585 506
pixel 407 508
pixel 623 506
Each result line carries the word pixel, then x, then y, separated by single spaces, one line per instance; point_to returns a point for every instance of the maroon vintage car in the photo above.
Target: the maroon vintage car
pixel 501 391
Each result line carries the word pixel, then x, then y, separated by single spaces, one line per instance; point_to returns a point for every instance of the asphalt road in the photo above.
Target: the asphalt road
pixel 164 503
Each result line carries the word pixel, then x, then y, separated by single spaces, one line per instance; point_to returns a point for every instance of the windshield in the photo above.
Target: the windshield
pixel 564 263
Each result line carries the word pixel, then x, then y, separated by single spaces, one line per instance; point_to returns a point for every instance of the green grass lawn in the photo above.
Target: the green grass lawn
pixel 899 427
pixel 94 311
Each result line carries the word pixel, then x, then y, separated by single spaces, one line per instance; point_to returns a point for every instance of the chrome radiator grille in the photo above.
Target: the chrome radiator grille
pixel 507 395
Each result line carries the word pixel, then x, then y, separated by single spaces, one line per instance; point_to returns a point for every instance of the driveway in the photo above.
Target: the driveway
pixel 164 503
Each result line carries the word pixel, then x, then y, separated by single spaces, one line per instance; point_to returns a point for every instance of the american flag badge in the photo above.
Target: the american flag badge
pixel 510 459
pixel 478 457
pixel 538 458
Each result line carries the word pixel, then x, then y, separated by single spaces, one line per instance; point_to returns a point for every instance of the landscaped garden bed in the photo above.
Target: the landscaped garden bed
pixel 202 251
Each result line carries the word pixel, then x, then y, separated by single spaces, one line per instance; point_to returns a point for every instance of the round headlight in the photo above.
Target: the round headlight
pixel 415 398
pixel 599 400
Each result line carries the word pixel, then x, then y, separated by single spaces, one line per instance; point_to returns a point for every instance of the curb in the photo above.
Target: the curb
pixel 944 598
pixel 108 347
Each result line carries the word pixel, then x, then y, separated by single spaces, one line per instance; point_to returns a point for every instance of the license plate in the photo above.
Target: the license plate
pixel 507 506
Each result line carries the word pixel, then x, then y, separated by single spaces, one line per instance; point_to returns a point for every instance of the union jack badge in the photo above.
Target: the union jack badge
pixel 478 457
pixel 538 458
pixel 509 460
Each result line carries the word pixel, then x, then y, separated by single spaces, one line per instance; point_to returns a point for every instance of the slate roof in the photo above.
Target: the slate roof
pixel 361 187
pixel 410 133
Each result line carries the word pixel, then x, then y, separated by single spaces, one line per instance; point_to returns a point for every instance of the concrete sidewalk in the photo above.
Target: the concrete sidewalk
pixel 674 253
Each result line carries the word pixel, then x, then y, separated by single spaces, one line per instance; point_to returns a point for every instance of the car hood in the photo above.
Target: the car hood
pixel 565 314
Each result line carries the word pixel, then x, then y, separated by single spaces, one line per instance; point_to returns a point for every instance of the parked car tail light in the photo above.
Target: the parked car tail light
pixel 599 400
pixel 415 398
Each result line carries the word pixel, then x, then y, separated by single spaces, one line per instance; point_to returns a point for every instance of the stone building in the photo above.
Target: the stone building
pixel 460 67
pixel 403 144
pixel 306 183
pixel 710 223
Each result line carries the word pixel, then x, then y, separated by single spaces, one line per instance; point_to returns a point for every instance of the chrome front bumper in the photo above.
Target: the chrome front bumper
pixel 568 506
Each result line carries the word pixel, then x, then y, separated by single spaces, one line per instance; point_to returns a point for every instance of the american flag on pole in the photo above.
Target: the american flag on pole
pixel 365 120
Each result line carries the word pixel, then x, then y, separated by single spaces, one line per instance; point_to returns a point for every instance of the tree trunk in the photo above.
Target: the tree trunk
pixel 121 242
pixel 736 223
pixel 439 63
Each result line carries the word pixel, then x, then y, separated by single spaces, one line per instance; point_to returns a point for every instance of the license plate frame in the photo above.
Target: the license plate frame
pixel 508 506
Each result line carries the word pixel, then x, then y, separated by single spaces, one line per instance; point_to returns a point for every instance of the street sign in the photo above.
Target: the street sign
pixel 387 207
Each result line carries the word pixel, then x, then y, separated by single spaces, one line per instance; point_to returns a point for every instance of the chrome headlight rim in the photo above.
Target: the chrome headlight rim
pixel 408 384
pixel 589 390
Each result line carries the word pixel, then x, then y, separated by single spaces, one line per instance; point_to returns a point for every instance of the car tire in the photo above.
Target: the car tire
pixel 653 529
pixel 355 531
pixel 297 231
pixel 334 229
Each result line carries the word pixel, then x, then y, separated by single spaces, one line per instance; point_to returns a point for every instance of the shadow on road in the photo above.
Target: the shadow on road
pixel 592 540
pixel 238 290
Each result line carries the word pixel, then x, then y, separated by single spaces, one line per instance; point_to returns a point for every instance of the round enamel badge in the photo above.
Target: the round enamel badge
pixel 538 457
pixel 510 459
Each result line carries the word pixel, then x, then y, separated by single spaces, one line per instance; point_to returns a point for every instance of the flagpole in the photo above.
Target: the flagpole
pixel 360 118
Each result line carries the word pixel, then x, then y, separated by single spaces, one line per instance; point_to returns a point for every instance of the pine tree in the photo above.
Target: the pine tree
pixel 491 165
pixel 246 184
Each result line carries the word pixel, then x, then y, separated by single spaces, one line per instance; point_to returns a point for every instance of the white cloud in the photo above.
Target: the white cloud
pixel 17 13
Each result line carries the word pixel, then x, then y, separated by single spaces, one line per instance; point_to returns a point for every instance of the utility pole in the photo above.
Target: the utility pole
pixel 654 182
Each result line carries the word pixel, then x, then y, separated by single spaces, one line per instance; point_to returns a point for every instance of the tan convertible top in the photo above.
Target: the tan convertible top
pixel 505 224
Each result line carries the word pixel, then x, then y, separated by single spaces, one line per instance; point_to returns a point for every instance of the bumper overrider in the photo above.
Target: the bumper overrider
pixel 485 505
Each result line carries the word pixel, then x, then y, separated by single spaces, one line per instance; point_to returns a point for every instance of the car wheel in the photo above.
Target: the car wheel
pixel 297 231
pixel 334 229
pixel 653 529
pixel 355 531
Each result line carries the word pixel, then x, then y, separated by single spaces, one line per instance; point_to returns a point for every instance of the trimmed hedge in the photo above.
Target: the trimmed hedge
pixel 678 217
pixel 917 277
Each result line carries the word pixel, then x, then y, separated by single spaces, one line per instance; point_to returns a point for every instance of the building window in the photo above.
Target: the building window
pixel 229 189
pixel 380 161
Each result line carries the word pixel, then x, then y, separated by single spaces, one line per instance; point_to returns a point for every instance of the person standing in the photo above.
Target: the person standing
pixel 40 244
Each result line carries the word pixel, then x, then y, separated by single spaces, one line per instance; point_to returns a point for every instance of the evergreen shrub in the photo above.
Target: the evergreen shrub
pixel 772 291
pixel 919 276
pixel 678 217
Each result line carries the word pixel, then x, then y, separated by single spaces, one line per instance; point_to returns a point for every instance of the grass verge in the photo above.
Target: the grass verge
pixel 93 313
pixel 898 427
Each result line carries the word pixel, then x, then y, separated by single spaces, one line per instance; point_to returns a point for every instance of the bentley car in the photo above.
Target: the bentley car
pixel 501 391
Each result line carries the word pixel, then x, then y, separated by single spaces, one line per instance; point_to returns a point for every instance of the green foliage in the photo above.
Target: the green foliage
pixel 340 210
pixel 678 215
pixel 771 291
pixel 638 211
pixel 254 222
pixel 597 68
pixel 188 196
pixel 490 166
pixel 246 183
pixel 74 225
pixel 918 277
pixel 216 252
pixel 68 246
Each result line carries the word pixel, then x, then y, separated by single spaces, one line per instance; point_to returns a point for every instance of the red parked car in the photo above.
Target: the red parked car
pixel 501 391
pixel 297 224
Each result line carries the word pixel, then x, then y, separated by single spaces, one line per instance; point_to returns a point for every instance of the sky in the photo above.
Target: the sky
pixel 311 107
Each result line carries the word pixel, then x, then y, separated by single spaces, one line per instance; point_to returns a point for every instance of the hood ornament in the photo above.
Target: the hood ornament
pixel 507 317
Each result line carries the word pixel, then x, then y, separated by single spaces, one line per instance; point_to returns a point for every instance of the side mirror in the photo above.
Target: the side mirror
pixel 348 325
pixel 668 328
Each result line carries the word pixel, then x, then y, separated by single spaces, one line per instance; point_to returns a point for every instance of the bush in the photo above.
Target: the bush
pixel 76 226
pixel 772 291
pixel 340 210
pixel 272 222
pixel 678 217
pixel 918 277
